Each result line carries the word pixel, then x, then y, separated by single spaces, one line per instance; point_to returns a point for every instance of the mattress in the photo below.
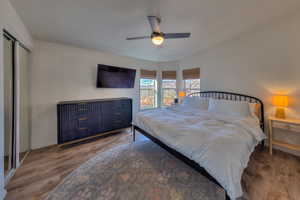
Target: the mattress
pixel 222 144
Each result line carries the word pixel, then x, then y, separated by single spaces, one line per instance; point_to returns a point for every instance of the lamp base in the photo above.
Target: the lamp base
pixel 280 113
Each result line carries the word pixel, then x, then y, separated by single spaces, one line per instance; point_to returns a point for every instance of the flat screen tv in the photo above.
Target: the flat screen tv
pixel 115 77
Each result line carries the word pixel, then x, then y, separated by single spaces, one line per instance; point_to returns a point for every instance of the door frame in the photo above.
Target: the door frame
pixel 12 158
pixel 15 161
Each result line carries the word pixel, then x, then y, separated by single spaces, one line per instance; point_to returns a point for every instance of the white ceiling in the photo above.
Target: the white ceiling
pixel 104 24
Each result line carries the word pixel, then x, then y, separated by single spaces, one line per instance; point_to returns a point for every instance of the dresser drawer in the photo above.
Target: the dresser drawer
pixel 117 106
pixel 81 119
pixel 286 126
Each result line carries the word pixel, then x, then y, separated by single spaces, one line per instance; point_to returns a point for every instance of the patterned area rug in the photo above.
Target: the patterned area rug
pixel 137 171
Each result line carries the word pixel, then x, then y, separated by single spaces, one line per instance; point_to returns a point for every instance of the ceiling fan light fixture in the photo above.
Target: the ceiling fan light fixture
pixel 157 39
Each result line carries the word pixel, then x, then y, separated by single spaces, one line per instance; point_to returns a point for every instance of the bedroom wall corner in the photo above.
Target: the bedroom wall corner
pixel 259 63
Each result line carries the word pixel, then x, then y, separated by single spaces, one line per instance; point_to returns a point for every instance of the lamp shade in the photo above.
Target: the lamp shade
pixel 280 101
pixel 181 94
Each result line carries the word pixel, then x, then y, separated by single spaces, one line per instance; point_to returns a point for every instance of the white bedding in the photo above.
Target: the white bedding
pixel 222 144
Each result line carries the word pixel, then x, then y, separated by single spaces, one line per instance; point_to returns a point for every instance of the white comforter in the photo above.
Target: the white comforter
pixel 221 144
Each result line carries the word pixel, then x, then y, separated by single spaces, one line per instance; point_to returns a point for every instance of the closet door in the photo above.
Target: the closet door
pixel 23 102
pixel 8 46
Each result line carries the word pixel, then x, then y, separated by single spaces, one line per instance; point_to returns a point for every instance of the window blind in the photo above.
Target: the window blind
pixel 148 74
pixel 191 73
pixel 170 75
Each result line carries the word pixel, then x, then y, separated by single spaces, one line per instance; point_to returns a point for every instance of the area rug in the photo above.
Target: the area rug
pixel 136 171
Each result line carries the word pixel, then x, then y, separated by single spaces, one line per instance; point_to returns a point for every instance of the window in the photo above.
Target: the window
pixel 168 88
pixel 191 79
pixel 169 92
pixel 191 86
pixel 148 93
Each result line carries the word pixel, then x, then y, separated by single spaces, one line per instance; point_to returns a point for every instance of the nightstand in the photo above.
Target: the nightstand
pixel 292 125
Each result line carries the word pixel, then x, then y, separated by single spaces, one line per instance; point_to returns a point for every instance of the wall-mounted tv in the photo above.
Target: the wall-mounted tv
pixel 115 77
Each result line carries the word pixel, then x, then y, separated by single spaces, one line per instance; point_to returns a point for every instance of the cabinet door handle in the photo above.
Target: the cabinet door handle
pixel 84 128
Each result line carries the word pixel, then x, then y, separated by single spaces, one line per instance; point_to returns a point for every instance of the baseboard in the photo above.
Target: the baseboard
pixel 292 152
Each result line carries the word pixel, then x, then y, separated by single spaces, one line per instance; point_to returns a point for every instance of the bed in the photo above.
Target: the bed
pixel 217 145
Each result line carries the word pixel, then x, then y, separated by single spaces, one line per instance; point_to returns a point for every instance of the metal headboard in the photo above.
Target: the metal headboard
pixel 234 97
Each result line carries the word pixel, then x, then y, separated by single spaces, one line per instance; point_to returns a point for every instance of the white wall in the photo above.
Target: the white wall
pixel 12 23
pixel 260 63
pixel 60 72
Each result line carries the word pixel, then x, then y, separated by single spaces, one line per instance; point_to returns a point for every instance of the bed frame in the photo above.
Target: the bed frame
pixel 206 94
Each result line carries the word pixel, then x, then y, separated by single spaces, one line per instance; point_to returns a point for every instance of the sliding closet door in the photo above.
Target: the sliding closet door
pixel 8 46
pixel 23 101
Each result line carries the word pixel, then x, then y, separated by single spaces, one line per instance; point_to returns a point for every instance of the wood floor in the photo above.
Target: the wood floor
pixel 266 178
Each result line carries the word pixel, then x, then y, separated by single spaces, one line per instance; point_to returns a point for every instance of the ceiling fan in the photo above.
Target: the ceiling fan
pixel 157 37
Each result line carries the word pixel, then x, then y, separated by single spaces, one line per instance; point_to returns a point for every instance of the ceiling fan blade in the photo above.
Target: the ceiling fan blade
pixel 176 35
pixel 138 38
pixel 154 23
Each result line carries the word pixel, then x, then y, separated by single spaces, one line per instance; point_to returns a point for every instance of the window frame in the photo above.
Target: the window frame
pixel 155 89
pixel 168 88
pixel 192 90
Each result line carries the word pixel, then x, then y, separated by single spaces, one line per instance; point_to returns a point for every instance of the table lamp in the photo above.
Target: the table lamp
pixel 181 95
pixel 280 102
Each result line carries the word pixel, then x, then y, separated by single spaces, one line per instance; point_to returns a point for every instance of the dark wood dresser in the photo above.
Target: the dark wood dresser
pixel 87 118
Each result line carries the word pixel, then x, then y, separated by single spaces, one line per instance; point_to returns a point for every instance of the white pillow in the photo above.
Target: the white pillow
pixel 196 102
pixel 239 108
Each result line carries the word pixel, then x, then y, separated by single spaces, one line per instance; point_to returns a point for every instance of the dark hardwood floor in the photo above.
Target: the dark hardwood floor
pixel 266 178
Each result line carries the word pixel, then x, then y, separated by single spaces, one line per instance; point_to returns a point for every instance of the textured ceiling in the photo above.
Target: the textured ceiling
pixel 104 24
